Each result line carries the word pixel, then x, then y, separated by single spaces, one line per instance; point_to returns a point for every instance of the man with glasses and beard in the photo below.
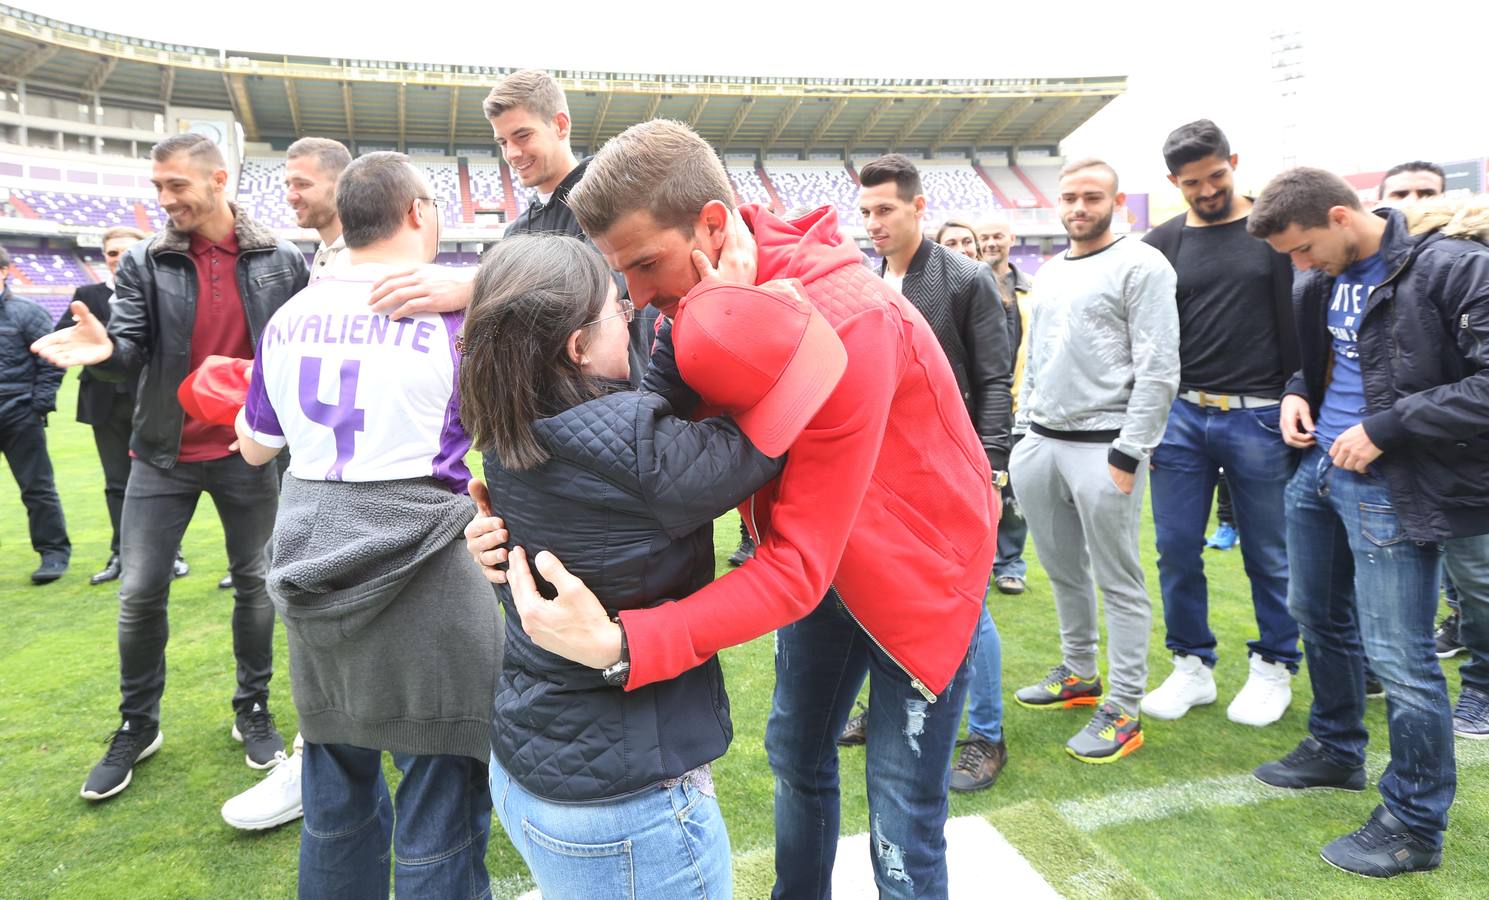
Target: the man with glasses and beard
pixel 1237 347
pixel 1102 372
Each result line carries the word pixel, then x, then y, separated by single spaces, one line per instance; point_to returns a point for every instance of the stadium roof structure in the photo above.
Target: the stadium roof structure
pixel 279 98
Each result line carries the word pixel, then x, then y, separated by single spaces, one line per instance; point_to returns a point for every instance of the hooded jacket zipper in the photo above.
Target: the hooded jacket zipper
pixel 916 683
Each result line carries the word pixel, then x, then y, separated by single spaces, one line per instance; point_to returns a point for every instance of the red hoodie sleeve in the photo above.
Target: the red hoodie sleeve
pixel 820 492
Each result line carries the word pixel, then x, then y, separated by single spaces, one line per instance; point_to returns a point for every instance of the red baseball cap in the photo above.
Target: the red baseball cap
pixel 763 355
pixel 216 390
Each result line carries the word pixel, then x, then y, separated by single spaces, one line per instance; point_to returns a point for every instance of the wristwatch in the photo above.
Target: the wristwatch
pixel 1000 478
pixel 620 673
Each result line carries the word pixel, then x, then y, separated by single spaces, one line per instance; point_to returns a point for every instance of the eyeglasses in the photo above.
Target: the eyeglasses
pixel 627 309
pixel 438 203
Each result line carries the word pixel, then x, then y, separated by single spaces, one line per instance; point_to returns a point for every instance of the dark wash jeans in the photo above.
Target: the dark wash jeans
pixel 1247 443
pixel 820 665
pixel 1467 560
pixel 437 826
pixel 23 443
pixel 1362 589
pixel 158 505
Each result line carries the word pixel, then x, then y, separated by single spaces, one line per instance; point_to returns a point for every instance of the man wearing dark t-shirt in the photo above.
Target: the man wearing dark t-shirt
pixel 1237 347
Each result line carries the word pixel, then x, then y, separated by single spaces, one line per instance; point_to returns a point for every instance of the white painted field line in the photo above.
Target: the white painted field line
pixel 977 856
pixel 1151 804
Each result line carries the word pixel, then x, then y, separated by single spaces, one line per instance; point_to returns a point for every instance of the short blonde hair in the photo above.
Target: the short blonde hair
pixel 123 231
pixel 532 89
pixel 1091 162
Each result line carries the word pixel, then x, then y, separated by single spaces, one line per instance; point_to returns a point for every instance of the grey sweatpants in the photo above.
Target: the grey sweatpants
pixel 1082 527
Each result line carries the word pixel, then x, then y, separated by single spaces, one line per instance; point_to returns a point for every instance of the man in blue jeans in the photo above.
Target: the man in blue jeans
pixel 1390 407
pixel 1230 285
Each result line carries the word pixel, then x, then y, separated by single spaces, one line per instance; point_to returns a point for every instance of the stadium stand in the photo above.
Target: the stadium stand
pixel 954 188
pixel 816 184
pixel 261 191
pixel 747 183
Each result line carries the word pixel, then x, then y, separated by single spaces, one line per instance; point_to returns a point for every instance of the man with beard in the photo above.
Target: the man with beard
pixel 1101 374
pixel 312 169
pixel 1237 347
pixel 204 286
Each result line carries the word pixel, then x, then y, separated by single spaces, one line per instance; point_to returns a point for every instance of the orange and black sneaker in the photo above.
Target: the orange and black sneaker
pixel 1060 689
pixel 1111 735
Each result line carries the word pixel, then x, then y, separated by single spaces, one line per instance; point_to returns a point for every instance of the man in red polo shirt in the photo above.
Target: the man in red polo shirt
pixel 204 286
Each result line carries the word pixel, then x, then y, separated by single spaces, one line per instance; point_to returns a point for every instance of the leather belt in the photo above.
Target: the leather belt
pixel 1228 402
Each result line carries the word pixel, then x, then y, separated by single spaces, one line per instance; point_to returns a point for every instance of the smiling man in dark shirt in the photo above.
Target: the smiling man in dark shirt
pixel 1237 347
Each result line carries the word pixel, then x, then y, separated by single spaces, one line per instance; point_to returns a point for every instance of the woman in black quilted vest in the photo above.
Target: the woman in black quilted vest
pixel 605 792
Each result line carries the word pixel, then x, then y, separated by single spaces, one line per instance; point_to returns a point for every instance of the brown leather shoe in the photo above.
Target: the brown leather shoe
pixel 978 765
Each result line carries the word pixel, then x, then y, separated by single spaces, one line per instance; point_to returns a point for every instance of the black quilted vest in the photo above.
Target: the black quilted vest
pixel 627 504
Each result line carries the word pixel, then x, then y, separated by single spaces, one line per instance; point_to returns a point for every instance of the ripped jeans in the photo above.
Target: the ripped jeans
pixel 820 664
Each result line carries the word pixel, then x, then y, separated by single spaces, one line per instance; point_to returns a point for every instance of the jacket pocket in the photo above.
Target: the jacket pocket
pixel 273 277
pixel 920 526
pixel 1380 525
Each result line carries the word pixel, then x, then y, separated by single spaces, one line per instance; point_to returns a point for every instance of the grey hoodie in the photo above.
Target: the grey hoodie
pixel 393 632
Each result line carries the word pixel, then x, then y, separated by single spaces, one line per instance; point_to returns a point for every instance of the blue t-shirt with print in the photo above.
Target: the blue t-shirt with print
pixel 1344 399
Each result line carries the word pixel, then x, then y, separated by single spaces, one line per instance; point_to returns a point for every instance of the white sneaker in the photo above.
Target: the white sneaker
pixel 1268 691
pixel 1191 684
pixel 273 801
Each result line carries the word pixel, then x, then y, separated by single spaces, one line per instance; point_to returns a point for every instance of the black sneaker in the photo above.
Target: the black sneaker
pixel 856 732
pixel 1309 767
pixel 744 552
pixel 131 743
pixel 978 765
pixel 1374 690
pixel 1471 715
pixel 255 729
pixel 49 571
pixel 1381 848
pixel 1446 638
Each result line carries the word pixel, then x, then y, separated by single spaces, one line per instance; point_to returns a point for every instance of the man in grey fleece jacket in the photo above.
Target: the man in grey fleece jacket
pixel 1101 373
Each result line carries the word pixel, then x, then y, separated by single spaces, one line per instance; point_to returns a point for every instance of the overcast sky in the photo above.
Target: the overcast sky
pixel 1375 90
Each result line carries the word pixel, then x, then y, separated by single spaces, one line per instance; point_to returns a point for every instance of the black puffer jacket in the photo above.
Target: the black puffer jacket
pixel 1424 355
pixel 28 383
pixel 154 310
pixel 626 503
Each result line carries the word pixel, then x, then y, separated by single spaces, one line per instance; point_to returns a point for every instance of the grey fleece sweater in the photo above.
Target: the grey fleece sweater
pixel 1103 350
pixel 394 635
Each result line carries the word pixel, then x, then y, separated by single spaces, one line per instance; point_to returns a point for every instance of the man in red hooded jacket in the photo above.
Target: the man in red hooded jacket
pixel 875 543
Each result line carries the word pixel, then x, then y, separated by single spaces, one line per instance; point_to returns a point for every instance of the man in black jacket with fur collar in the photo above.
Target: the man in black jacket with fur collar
pixel 206 285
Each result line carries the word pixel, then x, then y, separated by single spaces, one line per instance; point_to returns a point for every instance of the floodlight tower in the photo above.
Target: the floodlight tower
pixel 1287 76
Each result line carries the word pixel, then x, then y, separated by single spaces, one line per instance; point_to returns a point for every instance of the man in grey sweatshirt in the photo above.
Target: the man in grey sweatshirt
pixel 1101 373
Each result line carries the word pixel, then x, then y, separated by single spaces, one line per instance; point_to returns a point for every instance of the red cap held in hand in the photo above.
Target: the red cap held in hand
pixel 216 390
pixel 762 354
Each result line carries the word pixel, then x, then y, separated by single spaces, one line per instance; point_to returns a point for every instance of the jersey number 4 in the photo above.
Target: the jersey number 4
pixel 343 417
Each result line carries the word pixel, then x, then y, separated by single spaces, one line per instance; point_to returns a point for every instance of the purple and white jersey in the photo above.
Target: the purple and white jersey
pixel 357 396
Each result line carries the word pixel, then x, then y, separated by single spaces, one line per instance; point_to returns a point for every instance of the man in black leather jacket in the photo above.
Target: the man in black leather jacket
pixel 206 285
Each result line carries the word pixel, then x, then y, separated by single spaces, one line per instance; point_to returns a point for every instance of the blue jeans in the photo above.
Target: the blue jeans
pixel 821 661
pixel 1359 580
pixel 1247 443
pixel 443 816
pixel 985 683
pixel 1467 561
pixel 1013 532
pixel 666 842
